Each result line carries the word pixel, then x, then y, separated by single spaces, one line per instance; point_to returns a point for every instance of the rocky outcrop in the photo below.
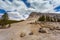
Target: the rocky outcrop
pixel 52 17
pixel 29 30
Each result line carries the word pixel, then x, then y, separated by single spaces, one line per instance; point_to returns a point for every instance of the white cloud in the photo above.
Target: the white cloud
pixel 44 5
pixel 40 5
pixel 20 11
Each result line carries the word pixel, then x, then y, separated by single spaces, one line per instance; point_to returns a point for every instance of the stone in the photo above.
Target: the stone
pixel 41 30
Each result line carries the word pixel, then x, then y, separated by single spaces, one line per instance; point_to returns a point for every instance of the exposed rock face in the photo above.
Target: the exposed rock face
pixel 52 16
pixel 34 16
pixel 30 30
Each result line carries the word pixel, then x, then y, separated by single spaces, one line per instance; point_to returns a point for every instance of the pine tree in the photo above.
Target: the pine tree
pixel 41 18
pixel 4 20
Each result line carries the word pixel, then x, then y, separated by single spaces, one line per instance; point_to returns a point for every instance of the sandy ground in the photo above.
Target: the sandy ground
pixel 25 28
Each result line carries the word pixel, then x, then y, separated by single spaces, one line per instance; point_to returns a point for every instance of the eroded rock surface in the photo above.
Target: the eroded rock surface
pixel 31 29
pixel 22 31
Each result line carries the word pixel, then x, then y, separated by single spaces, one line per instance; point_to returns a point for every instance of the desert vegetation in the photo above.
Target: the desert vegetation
pixel 48 18
pixel 5 21
pixel 47 28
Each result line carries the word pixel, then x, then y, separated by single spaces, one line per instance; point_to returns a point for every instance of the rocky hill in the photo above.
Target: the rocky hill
pixel 47 16
pixel 31 29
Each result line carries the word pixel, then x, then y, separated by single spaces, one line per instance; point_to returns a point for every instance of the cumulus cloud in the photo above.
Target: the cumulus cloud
pixel 19 11
pixel 44 5
pixel 40 5
pixel 17 8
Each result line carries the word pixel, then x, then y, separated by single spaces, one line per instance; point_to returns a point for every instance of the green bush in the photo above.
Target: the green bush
pixel 41 18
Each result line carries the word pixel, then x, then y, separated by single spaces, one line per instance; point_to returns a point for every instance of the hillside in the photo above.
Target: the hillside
pixel 31 29
pixel 53 17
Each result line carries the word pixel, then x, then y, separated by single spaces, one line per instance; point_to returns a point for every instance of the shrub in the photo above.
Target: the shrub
pixel 41 18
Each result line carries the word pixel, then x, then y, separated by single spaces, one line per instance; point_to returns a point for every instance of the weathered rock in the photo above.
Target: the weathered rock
pixel 41 30
pixel 57 28
pixel 31 33
pixel 22 34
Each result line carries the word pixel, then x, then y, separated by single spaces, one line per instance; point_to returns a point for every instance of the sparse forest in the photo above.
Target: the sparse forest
pixel 49 19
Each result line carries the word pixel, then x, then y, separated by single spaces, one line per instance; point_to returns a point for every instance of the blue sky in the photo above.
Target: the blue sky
pixel 57 9
pixel 25 1
pixel 27 4
pixel 2 11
